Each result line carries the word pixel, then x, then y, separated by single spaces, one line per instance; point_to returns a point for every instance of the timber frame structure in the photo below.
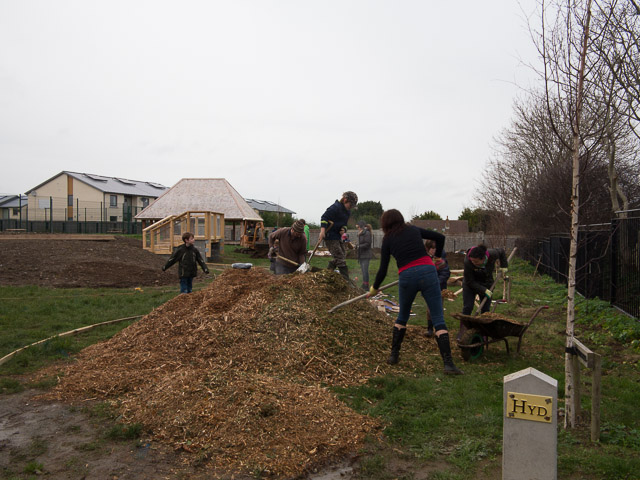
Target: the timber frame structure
pixel 164 235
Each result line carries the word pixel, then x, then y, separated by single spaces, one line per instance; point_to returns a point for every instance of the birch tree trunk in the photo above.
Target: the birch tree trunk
pixel 569 388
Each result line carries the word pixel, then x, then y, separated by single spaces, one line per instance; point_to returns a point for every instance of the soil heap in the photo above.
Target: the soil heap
pixel 238 372
pixel 97 261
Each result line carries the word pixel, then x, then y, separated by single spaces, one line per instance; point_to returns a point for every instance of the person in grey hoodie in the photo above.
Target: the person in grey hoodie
pixel 364 252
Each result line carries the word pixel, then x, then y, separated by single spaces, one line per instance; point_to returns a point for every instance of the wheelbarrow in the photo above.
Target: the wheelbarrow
pixel 481 330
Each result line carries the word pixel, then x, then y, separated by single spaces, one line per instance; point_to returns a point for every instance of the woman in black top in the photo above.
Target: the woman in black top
pixel 417 273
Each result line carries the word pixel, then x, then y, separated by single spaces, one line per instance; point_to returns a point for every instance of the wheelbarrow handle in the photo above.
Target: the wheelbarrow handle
pixel 360 297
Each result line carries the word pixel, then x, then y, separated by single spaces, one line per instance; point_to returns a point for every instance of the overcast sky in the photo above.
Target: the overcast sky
pixel 291 101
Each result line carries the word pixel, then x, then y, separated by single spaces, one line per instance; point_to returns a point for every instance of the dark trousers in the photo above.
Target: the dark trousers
pixel 468 297
pixel 186 284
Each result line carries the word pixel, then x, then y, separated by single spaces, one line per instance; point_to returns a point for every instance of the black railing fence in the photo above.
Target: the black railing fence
pixel 41 226
pixel 607 261
pixel 625 265
pixel 59 215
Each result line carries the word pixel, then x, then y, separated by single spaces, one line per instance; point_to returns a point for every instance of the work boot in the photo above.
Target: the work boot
pixel 365 286
pixel 344 271
pixel 445 352
pixel 332 265
pixel 398 336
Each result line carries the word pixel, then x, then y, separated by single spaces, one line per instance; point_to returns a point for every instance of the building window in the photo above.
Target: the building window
pixel 145 202
pixel 113 200
pixel 70 200
pixel 16 211
pixel 113 219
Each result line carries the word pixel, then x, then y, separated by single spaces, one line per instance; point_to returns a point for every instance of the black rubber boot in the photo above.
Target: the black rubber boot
pixel 445 352
pixel 398 336
pixel 344 271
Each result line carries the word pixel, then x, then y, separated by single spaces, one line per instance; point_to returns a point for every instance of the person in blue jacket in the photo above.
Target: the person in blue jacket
pixel 335 217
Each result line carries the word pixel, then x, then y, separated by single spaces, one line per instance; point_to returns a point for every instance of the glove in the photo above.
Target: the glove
pixel 504 271
pixel 164 268
pixel 488 293
pixel 372 292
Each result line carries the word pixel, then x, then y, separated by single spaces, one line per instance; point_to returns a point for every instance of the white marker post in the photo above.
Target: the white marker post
pixel 529 434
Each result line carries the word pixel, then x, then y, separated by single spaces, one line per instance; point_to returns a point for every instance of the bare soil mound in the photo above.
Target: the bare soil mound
pixel 237 371
pixel 101 261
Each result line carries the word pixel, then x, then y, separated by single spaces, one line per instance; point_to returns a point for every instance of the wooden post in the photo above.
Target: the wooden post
pixel 595 398
pixel 537 265
pixel 582 355
pixel 576 397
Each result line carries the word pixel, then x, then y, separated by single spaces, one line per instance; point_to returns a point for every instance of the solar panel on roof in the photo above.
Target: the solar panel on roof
pixel 125 181
pixel 95 177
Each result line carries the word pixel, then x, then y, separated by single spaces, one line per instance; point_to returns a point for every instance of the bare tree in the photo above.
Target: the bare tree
pixel 563 43
pixel 528 178
pixel 618 46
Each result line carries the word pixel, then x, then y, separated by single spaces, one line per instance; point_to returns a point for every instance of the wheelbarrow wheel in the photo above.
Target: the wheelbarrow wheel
pixel 471 337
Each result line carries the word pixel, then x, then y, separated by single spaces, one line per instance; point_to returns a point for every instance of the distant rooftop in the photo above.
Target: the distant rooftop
pixel 123 186
pixel 13 201
pixel 267 206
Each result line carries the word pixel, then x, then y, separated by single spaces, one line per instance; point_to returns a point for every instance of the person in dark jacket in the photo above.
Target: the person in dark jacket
pixel 335 217
pixel 479 265
pixel 364 252
pixel 188 258
pixel 416 273
pixel 442 267
pixel 291 245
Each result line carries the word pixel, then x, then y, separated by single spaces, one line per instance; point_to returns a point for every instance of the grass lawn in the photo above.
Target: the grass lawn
pixel 448 426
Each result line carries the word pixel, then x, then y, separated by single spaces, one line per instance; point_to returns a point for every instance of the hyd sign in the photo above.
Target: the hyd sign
pixel 529 407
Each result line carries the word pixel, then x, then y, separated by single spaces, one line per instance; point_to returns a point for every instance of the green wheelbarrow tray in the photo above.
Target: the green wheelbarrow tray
pixel 481 330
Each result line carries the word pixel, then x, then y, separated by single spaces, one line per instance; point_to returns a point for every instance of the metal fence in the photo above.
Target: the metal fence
pixel 55 209
pixel 625 265
pixel 56 215
pixel 41 226
pixel 607 261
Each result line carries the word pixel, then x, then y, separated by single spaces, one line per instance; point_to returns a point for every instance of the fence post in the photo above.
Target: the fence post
pixel 613 261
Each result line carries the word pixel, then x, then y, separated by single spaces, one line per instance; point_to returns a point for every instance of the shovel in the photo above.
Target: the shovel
pixel 360 297
pixel 305 267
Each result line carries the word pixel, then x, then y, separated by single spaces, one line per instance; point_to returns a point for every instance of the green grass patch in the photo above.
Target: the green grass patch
pixel 34 467
pixel 124 432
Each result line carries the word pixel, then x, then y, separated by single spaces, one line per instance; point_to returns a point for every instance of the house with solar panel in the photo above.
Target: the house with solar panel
pixel 86 197
pixel 273 214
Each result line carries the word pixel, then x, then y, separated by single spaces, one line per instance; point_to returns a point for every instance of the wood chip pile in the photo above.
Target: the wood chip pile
pixel 237 372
